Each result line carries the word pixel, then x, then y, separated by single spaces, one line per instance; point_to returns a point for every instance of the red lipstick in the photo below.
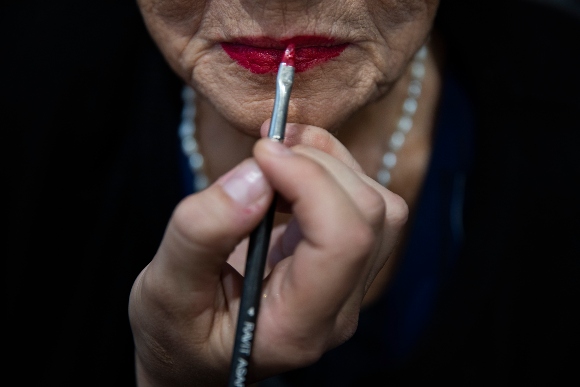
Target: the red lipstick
pixel 263 55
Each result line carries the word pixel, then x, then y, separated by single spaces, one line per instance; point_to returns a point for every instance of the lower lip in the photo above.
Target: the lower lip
pixel 261 60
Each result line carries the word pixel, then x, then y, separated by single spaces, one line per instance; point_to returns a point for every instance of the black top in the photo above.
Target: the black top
pixel 91 110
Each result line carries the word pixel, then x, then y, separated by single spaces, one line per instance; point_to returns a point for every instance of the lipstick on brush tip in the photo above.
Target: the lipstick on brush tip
pixel 289 54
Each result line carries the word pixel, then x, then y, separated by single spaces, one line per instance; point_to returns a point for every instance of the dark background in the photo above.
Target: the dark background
pixel 88 111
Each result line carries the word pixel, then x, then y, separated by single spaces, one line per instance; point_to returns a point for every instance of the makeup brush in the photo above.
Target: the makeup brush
pixel 260 237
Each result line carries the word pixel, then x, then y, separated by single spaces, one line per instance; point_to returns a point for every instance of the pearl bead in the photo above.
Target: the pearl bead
pixel 397 141
pixel 414 88
pixel 410 106
pixel 421 55
pixel 196 161
pixel 384 177
pixel 201 182
pixel 186 129
pixel 389 160
pixel 189 145
pixel 405 124
pixel 418 70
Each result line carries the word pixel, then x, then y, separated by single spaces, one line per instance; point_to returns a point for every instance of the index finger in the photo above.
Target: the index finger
pixel 323 208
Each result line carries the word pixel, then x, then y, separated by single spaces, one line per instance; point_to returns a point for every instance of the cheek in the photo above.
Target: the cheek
pixel 174 12
pixel 173 25
pixel 403 27
pixel 404 24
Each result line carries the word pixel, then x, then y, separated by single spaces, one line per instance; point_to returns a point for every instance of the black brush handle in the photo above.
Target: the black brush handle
pixel 251 294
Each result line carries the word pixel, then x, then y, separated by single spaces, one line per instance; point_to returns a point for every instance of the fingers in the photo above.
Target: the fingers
pixel 320 145
pixel 337 233
pixel 383 209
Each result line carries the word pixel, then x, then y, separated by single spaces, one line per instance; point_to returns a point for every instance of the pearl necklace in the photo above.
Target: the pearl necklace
pixel 190 147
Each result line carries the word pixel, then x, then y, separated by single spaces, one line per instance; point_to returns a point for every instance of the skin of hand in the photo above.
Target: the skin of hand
pixel 184 305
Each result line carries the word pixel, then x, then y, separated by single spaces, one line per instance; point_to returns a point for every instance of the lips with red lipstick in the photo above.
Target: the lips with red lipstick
pixel 263 55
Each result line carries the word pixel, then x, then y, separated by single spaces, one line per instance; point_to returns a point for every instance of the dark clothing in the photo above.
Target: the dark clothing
pixel 91 110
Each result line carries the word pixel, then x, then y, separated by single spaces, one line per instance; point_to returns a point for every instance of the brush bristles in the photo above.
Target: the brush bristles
pixel 288 58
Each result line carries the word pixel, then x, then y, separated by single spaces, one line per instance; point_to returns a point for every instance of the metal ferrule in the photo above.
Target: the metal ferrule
pixel 284 81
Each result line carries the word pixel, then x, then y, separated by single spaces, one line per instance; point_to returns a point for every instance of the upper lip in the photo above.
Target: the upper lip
pixel 282 43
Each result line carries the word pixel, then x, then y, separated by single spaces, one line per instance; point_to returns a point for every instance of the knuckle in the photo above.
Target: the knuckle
pixel 310 350
pixel 184 215
pixel 322 140
pixel 192 221
pixel 397 211
pixel 316 137
pixel 346 328
pixel 305 343
pixel 373 205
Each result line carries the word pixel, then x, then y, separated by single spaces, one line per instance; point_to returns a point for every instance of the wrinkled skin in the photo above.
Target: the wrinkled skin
pixel 184 305
pixel 383 35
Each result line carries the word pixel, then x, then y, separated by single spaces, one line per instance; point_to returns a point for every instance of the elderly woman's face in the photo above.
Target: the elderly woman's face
pixel 348 52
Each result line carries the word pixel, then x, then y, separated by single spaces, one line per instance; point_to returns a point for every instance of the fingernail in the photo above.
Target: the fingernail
pixel 278 148
pixel 245 184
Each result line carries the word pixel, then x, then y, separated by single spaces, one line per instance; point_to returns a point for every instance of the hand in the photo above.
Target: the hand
pixel 184 305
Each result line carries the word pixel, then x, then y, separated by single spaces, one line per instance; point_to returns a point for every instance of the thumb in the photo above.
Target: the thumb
pixel 206 227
